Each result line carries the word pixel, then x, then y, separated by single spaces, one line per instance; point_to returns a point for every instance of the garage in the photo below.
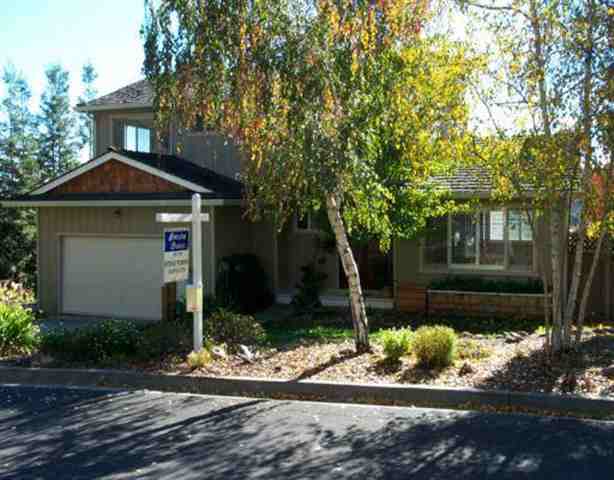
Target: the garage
pixel 111 276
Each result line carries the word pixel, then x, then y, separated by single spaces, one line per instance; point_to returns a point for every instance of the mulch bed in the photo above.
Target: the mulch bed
pixel 512 364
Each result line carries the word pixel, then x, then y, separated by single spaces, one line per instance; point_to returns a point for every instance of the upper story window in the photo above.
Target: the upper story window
pixel 497 239
pixel 137 138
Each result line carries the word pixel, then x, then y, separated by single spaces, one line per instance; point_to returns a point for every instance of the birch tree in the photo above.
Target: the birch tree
pixel 552 71
pixel 336 105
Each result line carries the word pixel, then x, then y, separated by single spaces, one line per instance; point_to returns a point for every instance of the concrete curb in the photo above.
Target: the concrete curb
pixel 325 391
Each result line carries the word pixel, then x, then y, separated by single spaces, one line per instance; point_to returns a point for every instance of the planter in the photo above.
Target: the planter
pixel 485 303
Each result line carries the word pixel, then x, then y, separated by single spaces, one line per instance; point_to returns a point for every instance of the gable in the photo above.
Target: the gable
pixel 114 176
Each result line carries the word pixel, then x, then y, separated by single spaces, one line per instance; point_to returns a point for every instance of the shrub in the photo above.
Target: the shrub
pixel 479 284
pixel 199 359
pixel 435 346
pixel 233 329
pixel 18 334
pixel 163 338
pixel 242 284
pixel 102 340
pixel 396 342
pixel 12 293
pixel 307 297
pixel 469 349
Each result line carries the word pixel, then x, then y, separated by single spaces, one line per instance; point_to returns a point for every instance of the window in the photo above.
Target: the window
pixel 137 139
pixel 497 239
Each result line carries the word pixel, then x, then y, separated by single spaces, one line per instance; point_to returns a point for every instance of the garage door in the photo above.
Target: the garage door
pixel 112 277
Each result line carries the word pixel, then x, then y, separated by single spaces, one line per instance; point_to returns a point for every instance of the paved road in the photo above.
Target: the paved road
pixel 61 433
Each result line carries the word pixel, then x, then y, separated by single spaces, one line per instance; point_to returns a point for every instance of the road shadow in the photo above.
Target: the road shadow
pixel 150 435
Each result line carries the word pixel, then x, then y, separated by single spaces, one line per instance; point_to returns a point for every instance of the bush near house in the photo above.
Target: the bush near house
pixel 18 333
pixel 396 342
pixel 233 329
pixel 242 284
pixel 479 284
pixel 435 346
pixel 101 341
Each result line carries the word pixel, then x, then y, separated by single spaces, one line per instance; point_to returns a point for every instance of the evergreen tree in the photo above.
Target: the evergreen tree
pixel 88 77
pixel 59 137
pixel 17 175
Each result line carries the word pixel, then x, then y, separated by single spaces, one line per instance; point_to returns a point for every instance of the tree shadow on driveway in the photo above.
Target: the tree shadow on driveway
pixel 154 435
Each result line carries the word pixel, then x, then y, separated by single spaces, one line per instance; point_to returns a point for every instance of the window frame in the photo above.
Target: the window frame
pixel 476 267
pixel 137 127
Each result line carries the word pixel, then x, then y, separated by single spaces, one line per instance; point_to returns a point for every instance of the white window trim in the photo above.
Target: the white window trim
pixel 476 268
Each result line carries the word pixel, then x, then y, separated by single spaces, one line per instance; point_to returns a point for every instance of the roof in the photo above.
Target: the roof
pixel 137 94
pixel 466 181
pixel 221 185
pixel 211 185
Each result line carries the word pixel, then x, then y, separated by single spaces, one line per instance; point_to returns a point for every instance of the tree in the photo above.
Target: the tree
pixel 553 65
pixel 59 140
pixel 88 77
pixel 341 106
pixel 17 175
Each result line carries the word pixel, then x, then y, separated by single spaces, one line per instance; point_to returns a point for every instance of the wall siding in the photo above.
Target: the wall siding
pixel 134 221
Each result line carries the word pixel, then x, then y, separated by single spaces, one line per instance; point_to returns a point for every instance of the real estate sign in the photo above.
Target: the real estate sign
pixel 176 249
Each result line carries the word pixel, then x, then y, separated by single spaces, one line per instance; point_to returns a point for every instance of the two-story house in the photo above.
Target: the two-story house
pixel 99 245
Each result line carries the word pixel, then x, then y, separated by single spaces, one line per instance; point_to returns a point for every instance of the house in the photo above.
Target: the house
pixel 99 246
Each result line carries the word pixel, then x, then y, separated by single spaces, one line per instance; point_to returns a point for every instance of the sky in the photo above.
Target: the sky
pixel 37 33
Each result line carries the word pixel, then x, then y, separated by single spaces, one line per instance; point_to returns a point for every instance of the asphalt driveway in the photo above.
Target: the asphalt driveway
pixel 61 433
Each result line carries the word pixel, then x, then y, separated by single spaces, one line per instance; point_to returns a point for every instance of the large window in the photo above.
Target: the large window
pixel 137 139
pixel 497 239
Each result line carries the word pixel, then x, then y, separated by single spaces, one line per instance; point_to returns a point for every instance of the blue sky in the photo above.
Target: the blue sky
pixel 36 33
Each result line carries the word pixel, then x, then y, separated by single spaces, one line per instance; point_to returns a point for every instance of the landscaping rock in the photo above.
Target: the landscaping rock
pixel 466 369
pixel 219 353
pixel 245 354
pixel 513 337
pixel 608 372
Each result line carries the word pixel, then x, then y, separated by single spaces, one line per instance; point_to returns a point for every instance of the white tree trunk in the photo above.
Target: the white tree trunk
pixel 557 320
pixel 357 301
pixel 587 288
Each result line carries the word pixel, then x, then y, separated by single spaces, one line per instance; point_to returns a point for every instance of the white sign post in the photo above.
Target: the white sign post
pixel 194 292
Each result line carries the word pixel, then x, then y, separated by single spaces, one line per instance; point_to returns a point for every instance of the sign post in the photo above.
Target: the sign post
pixel 177 264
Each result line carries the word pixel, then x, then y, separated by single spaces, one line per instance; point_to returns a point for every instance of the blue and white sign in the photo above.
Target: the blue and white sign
pixel 176 249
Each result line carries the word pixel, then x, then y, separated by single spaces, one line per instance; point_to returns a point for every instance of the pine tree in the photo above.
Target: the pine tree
pixel 88 77
pixel 18 175
pixel 59 138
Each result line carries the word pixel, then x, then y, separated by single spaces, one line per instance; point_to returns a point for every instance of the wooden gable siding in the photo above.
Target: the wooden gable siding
pixel 115 177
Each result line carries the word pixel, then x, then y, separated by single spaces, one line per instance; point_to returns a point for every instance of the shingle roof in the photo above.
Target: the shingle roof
pixel 186 170
pixel 219 186
pixel 137 93
pixel 466 181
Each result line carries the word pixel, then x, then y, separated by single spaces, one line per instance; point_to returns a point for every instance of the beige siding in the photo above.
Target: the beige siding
pixel 133 221
pixel 235 234
pixel 297 249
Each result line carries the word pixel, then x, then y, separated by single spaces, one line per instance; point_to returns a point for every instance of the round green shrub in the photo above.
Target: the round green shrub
pixel 435 346
pixel 18 333
pixel 233 329
pixel 396 342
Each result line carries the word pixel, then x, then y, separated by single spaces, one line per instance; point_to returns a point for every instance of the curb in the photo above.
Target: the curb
pixel 418 395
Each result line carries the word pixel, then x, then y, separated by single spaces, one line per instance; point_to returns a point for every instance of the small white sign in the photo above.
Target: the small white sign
pixel 176 251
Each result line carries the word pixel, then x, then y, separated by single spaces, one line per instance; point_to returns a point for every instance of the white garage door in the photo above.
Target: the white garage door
pixel 112 277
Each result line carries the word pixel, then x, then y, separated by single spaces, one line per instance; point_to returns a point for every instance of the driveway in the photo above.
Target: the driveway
pixel 61 433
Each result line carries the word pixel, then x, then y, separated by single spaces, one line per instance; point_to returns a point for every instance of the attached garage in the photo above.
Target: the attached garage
pixel 99 245
pixel 111 276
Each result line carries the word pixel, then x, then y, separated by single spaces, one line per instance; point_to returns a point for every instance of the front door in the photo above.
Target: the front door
pixel 375 268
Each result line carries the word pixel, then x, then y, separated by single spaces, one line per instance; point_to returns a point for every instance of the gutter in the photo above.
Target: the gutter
pixel 112 106
pixel 216 202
